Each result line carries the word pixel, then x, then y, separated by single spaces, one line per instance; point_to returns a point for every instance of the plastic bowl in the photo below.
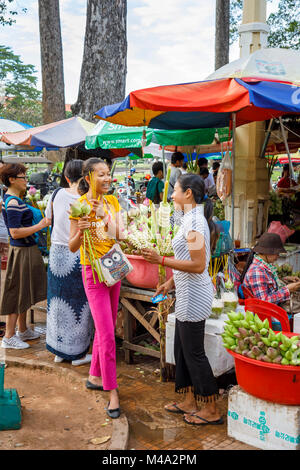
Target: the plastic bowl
pixel 144 274
pixel 270 382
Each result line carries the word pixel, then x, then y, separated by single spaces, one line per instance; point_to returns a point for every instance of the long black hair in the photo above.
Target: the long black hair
pixel 196 184
pixel 88 167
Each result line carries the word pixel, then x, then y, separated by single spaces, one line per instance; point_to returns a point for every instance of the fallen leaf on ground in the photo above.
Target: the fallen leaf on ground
pixel 99 440
pixel 104 424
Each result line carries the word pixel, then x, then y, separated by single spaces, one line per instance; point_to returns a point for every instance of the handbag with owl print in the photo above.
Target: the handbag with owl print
pixel 115 265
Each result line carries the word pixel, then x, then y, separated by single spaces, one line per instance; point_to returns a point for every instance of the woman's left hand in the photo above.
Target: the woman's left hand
pixel 151 256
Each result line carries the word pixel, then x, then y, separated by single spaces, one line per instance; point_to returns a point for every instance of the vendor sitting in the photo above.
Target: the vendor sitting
pixel 285 184
pixel 260 275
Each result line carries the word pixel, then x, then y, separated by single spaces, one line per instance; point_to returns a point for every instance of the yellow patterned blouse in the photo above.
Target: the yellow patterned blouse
pixel 98 231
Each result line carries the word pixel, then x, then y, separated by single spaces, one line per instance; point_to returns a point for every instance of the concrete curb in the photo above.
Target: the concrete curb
pixel 120 427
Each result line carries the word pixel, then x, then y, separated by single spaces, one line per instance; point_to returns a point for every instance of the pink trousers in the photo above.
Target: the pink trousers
pixel 103 302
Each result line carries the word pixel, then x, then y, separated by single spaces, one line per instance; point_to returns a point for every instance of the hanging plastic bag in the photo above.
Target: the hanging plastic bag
pixel 282 230
pixel 224 178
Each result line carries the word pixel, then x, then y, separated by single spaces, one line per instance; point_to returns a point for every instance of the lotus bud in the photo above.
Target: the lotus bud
pixel 249 316
pixel 243 332
pixel 259 358
pixel 274 344
pixel 251 332
pixel 250 355
pixel 264 331
pixel 272 353
pixel 256 351
pixel 266 359
pixel 288 355
pixel 245 352
pixel 257 336
pixel 253 340
pixel 277 359
pixel 285 362
pixel 242 345
pixel 261 345
pixel 247 340
pixel 237 335
pixel 245 324
pixel 32 191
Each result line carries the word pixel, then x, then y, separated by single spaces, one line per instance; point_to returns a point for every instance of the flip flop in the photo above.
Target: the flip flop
pixel 205 422
pixel 177 411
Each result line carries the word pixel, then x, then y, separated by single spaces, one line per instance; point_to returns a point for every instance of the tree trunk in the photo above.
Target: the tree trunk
pixel 103 72
pixel 52 61
pixel 222 33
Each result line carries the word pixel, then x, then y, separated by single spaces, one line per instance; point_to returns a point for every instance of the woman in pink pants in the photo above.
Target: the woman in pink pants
pixel 105 226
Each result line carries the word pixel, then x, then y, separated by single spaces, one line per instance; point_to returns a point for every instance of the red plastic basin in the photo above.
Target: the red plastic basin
pixel 144 274
pixel 270 382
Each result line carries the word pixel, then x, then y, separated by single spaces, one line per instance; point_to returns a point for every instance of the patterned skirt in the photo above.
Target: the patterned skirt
pixel 69 322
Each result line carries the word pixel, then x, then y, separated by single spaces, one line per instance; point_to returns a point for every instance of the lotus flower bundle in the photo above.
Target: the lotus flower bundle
pixel 253 338
pixel 41 205
pixel 34 195
pixel 154 232
pixel 78 210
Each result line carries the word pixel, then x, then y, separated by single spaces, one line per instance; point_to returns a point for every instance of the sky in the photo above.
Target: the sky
pixel 169 41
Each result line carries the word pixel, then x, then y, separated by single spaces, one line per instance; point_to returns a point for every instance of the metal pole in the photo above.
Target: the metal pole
pixel 268 135
pixel 292 174
pixel 233 172
pixel 127 191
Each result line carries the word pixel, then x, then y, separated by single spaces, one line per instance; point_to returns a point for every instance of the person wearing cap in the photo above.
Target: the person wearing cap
pixel 260 275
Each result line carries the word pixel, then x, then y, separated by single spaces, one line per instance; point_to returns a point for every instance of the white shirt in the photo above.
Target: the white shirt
pixel 209 181
pixel 61 206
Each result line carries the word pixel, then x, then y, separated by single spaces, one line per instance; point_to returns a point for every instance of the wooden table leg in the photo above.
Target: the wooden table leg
pixel 128 335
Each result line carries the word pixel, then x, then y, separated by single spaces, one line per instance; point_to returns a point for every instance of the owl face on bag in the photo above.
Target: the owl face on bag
pixel 114 262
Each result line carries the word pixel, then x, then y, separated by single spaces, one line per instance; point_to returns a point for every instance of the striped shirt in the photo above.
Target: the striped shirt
pixel 17 215
pixel 194 292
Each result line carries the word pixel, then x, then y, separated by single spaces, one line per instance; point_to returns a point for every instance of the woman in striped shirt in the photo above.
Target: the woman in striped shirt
pixel 194 296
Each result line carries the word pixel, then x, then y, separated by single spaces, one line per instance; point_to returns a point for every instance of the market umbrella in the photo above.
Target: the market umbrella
pixel 206 104
pixel 273 64
pixel 65 133
pixel 7 125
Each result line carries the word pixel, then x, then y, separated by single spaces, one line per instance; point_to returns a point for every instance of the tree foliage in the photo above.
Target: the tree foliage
pixel 23 100
pixel 284 23
pixel 6 14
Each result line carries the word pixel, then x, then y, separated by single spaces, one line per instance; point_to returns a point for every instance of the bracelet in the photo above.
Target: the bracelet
pixel 163 261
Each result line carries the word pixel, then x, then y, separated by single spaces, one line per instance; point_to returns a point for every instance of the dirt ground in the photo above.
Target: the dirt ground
pixel 60 415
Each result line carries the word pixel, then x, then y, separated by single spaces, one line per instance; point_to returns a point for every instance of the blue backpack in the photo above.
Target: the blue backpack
pixel 41 236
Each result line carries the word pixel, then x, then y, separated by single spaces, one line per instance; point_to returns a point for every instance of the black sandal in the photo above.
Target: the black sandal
pixel 92 386
pixel 205 422
pixel 178 410
pixel 113 414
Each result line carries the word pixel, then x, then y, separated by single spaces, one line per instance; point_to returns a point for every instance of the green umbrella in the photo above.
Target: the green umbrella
pixel 111 136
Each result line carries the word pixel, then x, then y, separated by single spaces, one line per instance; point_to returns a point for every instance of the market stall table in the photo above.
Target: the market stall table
pixel 134 305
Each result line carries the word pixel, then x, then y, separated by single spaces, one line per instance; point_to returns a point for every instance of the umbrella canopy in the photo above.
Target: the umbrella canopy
pixel 273 64
pixel 6 125
pixel 65 133
pixel 112 136
pixel 206 104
